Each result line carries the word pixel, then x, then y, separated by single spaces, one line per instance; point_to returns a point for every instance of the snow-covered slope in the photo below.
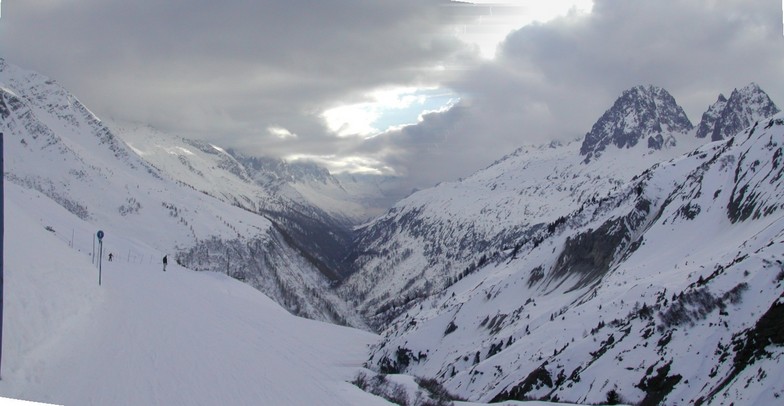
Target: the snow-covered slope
pixel 316 211
pixel 667 290
pixel 256 183
pixel 56 146
pixel 147 337
pixel 435 235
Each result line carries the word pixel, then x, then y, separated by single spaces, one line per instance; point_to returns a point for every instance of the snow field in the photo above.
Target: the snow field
pixel 149 337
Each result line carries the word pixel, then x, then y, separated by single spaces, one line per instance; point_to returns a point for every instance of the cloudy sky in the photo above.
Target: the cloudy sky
pixel 427 89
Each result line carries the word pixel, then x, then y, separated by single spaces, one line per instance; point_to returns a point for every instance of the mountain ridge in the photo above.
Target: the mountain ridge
pixel 612 299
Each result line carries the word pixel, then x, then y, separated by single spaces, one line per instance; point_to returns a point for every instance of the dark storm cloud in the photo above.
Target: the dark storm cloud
pixel 552 81
pixel 228 70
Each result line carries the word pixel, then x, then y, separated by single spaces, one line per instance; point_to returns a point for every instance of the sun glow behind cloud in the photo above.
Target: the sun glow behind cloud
pixel 386 109
pixel 499 18
pixel 342 164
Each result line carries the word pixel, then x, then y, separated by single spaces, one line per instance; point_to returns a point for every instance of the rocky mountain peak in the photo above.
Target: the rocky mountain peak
pixel 640 113
pixel 727 117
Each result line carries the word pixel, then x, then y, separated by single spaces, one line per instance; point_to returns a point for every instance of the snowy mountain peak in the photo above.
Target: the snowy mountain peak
pixel 727 117
pixel 640 113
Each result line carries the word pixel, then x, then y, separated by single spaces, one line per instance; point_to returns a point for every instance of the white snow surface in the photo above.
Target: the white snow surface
pixel 148 337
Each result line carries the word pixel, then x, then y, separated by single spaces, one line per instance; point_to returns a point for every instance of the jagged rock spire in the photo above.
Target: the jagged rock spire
pixel 727 117
pixel 642 112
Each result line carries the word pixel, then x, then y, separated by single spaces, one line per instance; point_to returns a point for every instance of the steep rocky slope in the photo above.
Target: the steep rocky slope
pixel 667 290
pixel 440 234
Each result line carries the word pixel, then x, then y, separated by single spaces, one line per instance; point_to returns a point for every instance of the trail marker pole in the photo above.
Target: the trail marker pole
pixel 2 235
pixel 100 254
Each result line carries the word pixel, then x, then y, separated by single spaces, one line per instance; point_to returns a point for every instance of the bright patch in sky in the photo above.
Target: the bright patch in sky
pixel 503 17
pixel 281 132
pixel 386 109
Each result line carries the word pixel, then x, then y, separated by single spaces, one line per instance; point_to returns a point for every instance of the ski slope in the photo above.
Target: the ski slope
pixel 145 337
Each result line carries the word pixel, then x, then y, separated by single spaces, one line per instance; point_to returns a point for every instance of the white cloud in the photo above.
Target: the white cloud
pixel 352 119
pixel 498 19
pixel 341 164
pixel 281 132
pixel 553 80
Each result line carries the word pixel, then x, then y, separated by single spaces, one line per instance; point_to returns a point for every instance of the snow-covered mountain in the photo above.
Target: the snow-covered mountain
pixel 663 289
pixel 728 117
pixel 438 234
pixel 56 146
pixel 641 114
pixel 315 210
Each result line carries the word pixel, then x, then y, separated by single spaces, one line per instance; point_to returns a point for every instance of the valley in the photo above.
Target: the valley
pixel 640 263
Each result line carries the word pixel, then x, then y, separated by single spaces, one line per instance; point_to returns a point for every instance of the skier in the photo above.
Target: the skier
pixel 165 261
pixel 110 257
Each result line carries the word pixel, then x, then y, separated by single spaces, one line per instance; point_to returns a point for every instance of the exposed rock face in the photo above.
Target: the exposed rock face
pixel 728 117
pixel 711 117
pixel 642 112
